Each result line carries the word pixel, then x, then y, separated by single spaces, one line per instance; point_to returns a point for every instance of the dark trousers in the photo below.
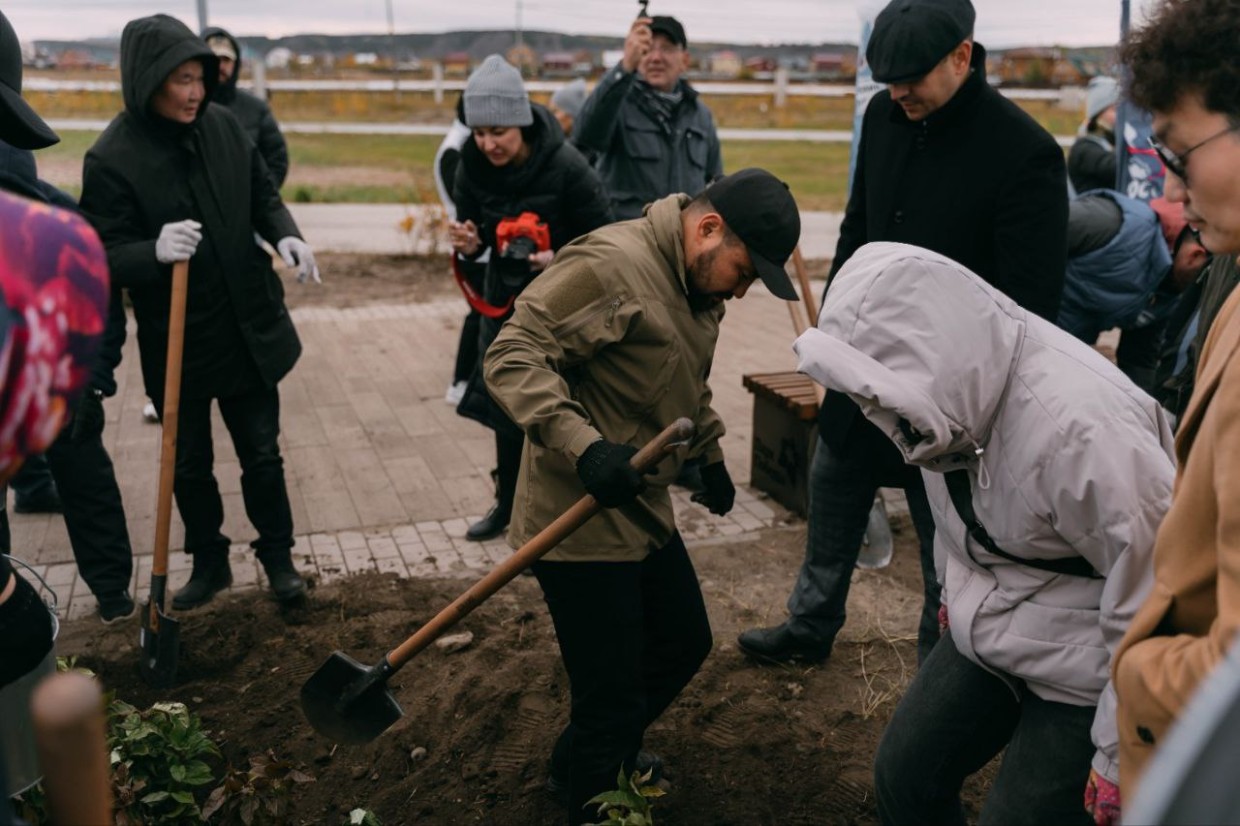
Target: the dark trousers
pixel 841 492
pixel 954 718
pixel 467 348
pixel 632 635
pixel 253 422
pixel 94 512
pixel 508 448
pixel 33 478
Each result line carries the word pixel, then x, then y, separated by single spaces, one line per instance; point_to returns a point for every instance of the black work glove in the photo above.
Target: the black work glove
pixel 88 417
pixel 605 470
pixel 25 628
pixel 718 493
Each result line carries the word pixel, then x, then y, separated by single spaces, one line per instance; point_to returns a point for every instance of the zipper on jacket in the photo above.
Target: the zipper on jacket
pixel 611 310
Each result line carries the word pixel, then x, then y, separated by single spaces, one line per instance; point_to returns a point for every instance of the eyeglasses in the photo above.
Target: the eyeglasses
pixel 1178 164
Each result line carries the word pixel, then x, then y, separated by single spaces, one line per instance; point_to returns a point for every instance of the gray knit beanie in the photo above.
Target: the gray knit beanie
pixel 1103 91
pixel 495 96
pixel 570 98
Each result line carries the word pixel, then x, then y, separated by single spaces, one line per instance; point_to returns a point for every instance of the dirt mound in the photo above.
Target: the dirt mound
pixel 744 744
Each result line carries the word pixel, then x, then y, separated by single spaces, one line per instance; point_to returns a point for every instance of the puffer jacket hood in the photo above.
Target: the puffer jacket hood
pixel 151 47
pixel 896 342
pixel 1066 458
pixel 226 91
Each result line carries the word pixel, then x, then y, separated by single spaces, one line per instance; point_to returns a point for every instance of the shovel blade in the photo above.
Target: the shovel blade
pixel 160 643
pixel 358 721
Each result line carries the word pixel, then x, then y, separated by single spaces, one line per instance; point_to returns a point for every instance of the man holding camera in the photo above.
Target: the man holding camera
pixel 606 348
pixel 654 134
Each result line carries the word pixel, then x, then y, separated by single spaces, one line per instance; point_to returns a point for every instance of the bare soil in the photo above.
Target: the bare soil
pixel 354 279
pixel 745 743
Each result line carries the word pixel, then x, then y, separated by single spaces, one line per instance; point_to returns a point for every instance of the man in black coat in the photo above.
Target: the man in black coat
pixel 946 163
pixel 253 112
pixel 175 178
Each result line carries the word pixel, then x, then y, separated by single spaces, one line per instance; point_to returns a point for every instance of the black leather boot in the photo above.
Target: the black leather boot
pixel 211 574
pixel 491 525
pixel 781 644
pixel 286 583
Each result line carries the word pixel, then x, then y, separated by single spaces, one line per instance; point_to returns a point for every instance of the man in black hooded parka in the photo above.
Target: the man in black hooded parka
pixel 253 112
pixel 175 178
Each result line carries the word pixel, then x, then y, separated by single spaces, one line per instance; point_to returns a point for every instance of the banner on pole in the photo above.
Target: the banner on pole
pixel 866 86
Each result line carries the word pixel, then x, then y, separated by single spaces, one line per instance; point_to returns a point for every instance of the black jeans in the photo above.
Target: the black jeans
pixel 33 478
pixel 841 493
pixel 632 635
pixel 954 718
pixel 253 421
pixel 94 512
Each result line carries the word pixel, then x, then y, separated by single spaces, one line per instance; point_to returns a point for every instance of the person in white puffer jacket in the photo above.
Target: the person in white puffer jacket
pixel 1067 468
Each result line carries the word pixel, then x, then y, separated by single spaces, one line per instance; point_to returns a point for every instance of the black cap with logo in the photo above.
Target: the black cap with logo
pixel 19 125
pixel 910 37
pixel 671 28
pixel 760 210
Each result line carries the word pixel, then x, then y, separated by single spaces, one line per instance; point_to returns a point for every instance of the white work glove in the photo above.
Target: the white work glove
pixel 178 241
pixel 297 253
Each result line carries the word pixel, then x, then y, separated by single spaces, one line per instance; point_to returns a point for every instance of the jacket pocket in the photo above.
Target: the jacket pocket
pixel 643 141
pixel 696 147
pixel 1057 646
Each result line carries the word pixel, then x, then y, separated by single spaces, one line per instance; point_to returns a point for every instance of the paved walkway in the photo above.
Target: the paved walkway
pixel 382 473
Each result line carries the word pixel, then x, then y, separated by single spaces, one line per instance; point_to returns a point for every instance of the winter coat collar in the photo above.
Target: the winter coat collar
pixel 544 137
pixel 669 235
pixel 962 104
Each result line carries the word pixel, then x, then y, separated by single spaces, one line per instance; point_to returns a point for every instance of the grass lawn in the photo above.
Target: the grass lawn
pixel 397 169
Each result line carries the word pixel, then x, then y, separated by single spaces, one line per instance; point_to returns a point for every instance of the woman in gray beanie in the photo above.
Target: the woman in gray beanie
pixel 517 162
pixel 1091 161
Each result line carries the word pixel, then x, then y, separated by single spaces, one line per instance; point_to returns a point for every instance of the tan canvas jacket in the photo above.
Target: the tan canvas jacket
pixel 603 346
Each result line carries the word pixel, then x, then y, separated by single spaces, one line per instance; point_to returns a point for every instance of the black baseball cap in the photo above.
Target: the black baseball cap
pixel 19 125
pixel 669 26
pixel 760 210
pixel 910 37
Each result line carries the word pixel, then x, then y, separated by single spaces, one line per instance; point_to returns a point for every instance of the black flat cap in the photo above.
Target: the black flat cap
pixel 911 36
pixel 671 28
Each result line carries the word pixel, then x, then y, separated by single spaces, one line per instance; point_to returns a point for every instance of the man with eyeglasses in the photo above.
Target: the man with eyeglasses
pixel 654 135
pixel 948 164
pixel 1184 70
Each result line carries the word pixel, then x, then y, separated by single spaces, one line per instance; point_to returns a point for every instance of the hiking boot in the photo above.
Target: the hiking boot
pixel 149 413
pixel 211 575
pixel 286 583
pixel 557 786
pixel 490 526
pixel 115 606
pixel 456 392
pixel 47 500
pixel 782 645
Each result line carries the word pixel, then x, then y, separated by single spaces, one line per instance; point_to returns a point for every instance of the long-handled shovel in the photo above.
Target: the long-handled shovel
pixel 67 710
pixel 161 634
pixel 350 702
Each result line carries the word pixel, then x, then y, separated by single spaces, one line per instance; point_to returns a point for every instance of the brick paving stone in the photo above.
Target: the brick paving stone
pixel 60 574
pixel 383 547
pixel 392 565
pixel 351 540
pixel 412 552
pixel 358 559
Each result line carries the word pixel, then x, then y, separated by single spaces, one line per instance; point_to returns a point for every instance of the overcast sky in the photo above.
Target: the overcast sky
pixel 999 23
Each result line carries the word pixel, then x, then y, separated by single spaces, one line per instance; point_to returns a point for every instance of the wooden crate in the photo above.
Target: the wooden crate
pixel 785 432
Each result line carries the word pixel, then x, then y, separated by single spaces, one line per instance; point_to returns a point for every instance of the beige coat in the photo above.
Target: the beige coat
pixel 603 346
pixel 1185 627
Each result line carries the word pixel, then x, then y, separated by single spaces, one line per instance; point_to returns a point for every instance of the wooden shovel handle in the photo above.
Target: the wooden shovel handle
pixel 673 435
pixel 68 721
pixel 169 416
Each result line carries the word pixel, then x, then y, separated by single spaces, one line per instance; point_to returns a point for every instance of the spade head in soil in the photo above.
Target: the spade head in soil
pixel 160 643
pixel 349 702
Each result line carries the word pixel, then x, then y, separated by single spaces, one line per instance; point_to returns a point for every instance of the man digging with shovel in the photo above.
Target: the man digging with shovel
pixel 611 343
pixel 174 178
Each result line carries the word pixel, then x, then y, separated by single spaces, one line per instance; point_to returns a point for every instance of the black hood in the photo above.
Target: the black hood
pixel 226 91
pixel 151 47
pixel 18 173
pixel 544 136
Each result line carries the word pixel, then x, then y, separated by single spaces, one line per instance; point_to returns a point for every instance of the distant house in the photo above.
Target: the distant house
pixel 365 59
pixel 278 58
pixel 523 57
pixel 725 64
pixel 831 65
pixel 1067 72
pixel 1028 66
pixel 456 63
pixel 76 59
pixel 755 65
pixel 558 62
pixel 611 57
